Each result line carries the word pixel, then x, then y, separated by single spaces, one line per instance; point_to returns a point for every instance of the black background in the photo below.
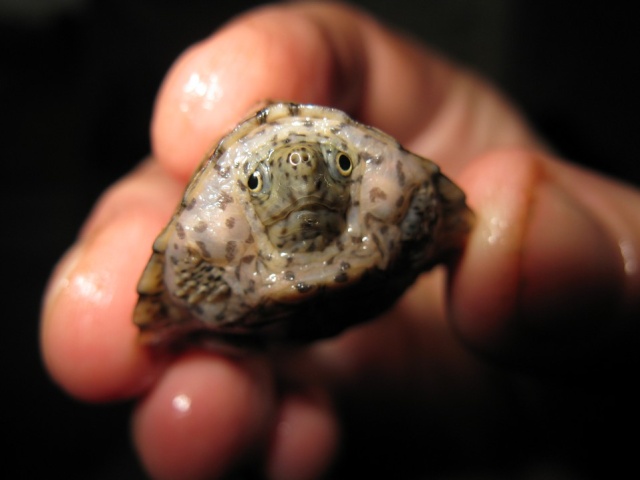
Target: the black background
pixel 77 82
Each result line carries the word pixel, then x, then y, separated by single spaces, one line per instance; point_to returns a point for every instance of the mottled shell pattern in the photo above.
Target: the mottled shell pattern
pixel 301 223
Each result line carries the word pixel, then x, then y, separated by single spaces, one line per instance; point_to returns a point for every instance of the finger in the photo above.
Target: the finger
pixel 305 439
pixel 550 275
pixel 329 54
pixel 203 417
pixel 88 340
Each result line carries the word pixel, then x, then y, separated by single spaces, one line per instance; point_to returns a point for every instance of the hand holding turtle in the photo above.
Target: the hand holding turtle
pixel 550 269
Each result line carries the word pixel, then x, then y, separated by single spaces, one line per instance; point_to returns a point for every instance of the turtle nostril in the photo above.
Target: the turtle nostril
pixel 297 157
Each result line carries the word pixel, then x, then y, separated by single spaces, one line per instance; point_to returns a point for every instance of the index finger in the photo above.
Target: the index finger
pixel 329 55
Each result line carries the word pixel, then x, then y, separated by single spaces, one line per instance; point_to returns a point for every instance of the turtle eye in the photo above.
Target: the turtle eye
pixel 254 181
pixel 344 164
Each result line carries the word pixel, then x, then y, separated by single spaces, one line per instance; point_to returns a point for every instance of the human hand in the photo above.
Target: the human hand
pixel 548 284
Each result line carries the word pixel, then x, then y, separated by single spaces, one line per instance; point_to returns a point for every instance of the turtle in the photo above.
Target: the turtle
pixel 301 223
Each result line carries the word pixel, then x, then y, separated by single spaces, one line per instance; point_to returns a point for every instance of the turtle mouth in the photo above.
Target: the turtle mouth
pixel 306 225
pixel 312 205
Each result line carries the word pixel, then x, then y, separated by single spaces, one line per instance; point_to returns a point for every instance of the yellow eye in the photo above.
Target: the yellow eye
pixel 344 164
pixel 255 181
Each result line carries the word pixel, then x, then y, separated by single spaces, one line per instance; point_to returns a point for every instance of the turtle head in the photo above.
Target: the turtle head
pixel 301 194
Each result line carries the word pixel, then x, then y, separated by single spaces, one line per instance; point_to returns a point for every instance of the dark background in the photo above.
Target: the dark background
pixel 77 82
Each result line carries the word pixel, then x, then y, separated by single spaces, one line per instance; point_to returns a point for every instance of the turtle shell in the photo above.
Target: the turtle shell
pixel 301 223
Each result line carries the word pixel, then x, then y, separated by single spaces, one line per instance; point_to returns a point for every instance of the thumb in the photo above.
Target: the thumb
pixel 550 279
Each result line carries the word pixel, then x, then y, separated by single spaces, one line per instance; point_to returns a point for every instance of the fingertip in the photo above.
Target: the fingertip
pixel 205 414
pixel 89 344
pixel 216 82
pixel 88 340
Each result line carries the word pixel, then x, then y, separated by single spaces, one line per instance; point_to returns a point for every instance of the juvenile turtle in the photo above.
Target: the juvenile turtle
pixel 301 223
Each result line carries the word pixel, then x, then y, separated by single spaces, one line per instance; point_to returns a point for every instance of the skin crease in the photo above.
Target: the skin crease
pixel 548 234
